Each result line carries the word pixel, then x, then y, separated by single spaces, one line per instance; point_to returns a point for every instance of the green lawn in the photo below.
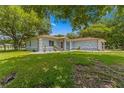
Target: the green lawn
pixel 49 70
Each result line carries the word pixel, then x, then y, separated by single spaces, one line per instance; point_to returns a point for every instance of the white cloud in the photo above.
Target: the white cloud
pixel 53 24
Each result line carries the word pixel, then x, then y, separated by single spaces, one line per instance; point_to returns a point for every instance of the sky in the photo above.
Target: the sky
pixel 60 27
pixel 63 28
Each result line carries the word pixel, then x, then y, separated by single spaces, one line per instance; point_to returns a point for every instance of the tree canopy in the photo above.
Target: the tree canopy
pixel 78 16
pixel 19 24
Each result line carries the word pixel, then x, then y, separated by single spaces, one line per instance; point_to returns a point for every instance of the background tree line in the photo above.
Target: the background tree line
pixel 23 22
pixel 109 27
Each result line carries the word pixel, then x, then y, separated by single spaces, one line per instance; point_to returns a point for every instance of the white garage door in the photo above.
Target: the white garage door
pixel 85 45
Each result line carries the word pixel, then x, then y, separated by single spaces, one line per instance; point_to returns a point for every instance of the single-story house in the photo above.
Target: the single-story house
pixel 49 43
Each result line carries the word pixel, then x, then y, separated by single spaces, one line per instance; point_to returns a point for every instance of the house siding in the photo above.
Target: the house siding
pixel 100 46
pixel 46 42
pixel 85 45
pixel 33 45
pixel 42 44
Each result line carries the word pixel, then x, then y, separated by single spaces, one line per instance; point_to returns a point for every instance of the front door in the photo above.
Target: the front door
pixel 62 44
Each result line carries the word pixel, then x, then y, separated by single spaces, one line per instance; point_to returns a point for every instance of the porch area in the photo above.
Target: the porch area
pixel 54 45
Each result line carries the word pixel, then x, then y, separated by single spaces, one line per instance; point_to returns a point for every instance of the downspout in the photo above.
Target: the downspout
pixel 64 44
pixel 38 44
pixel 70 45
pixel 97 45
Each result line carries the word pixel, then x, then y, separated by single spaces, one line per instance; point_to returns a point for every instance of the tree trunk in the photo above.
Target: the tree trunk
pixel 15 45
pixel 4 47
pixel 123 46
pixel 20 45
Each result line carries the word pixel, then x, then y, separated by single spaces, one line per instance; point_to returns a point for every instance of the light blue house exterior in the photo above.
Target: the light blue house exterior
pixel 46 43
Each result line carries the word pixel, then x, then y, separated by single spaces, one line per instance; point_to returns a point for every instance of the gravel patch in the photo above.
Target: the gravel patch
pixel 98 75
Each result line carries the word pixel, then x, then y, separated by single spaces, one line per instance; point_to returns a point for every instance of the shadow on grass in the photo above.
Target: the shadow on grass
pixel 4 51
pixel 48 70
pixel 37 71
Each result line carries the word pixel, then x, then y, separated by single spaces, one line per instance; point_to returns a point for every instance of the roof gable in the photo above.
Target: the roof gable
pixel 77 39
pixel 87 39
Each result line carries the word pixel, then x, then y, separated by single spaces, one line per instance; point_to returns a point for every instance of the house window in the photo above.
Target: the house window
pixel 51 43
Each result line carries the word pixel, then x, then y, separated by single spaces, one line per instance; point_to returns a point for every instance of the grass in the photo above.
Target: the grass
pixel 49 70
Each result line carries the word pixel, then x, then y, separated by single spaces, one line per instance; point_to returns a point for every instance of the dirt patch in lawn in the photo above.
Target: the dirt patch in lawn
pixel 98 75
pixel 7 79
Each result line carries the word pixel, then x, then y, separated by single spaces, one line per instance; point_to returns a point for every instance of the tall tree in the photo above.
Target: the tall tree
pixel 19 24
pixel 96 30
pixel 118 32
pixel 109 27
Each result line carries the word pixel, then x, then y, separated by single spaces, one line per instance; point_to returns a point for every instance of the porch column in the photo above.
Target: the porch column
pixel 70 44
pixel 104 46
pixel 64 44
pixel 40 45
